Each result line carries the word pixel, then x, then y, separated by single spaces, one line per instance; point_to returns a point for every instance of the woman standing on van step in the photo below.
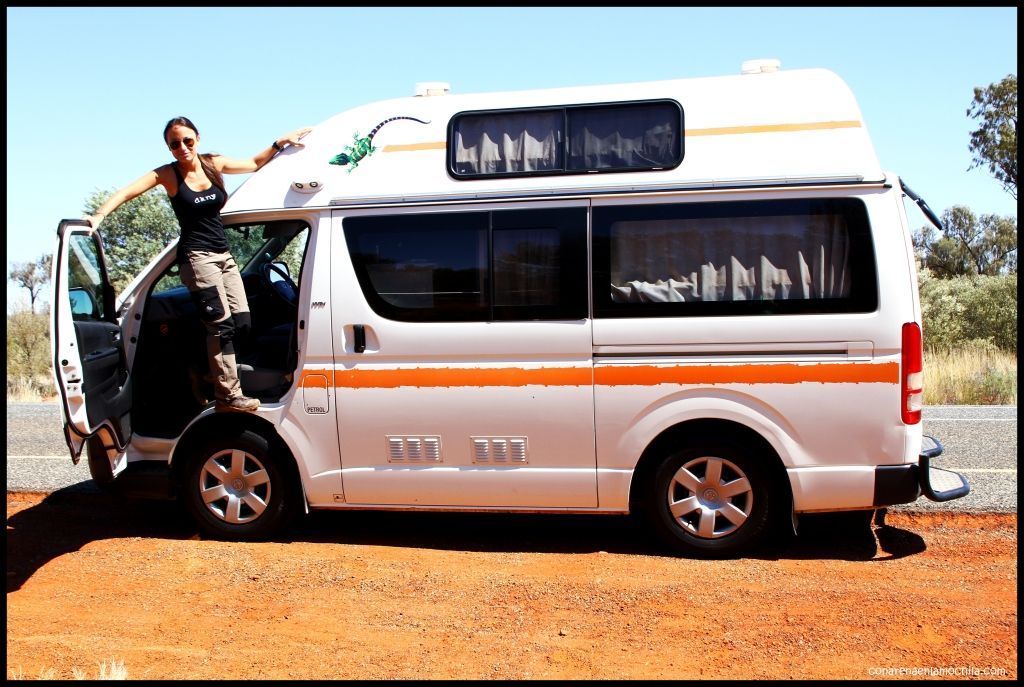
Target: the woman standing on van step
pixel 195 185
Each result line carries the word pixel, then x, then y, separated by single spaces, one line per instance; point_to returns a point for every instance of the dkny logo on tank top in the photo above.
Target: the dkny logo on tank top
pixel 200 199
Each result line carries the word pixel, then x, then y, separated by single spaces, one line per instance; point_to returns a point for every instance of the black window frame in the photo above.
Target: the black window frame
pixel 573 306
pixel 566 111
pixel 863 298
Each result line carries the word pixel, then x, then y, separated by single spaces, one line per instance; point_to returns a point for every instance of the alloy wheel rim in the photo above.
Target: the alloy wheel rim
pixel 710 497
pixel 234 486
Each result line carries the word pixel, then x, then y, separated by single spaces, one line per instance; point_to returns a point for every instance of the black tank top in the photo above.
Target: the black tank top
pixel 198 213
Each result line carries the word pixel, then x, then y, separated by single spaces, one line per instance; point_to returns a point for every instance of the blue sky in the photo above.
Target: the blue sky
pixel 89 89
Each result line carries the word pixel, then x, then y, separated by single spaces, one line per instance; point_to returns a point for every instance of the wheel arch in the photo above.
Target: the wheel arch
pixel 704 430
pixel 220 424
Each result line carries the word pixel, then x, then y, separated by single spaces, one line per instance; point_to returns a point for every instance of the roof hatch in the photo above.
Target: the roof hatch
pixel 428 88
pixel 761 66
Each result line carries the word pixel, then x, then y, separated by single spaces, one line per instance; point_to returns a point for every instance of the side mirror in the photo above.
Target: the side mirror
pixel 83 305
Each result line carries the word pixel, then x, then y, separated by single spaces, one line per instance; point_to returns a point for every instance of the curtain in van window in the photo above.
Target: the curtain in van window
pixel 730 259
pixel 609 138
pixel 495 144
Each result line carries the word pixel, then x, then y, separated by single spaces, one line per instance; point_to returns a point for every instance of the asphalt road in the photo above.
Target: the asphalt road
pixel 980 443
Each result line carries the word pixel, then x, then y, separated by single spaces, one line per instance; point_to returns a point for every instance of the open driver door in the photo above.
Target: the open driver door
pixel 89 363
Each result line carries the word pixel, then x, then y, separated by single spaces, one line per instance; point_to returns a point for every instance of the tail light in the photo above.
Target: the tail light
pixel 912 374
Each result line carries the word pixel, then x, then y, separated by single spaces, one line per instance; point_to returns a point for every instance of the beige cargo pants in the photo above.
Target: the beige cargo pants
pixel 216 287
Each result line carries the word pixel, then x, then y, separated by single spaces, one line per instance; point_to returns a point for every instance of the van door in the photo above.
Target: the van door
pixel 463 356
pixel 88 354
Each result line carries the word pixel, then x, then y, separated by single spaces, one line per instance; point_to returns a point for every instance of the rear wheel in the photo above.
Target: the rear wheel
pixel 237 488
pixel 712 500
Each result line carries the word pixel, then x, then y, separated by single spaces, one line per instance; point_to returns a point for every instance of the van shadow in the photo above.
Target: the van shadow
pixel 853 536
pixel 68 519
pixel 827 536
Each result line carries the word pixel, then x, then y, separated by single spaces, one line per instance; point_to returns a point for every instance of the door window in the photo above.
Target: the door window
pixel 472 266
pixel 86 278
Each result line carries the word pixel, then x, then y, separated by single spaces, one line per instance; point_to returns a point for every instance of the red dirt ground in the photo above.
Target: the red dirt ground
pixel 91 579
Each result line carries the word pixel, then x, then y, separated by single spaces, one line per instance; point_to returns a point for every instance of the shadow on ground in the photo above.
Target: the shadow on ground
pixel 68 519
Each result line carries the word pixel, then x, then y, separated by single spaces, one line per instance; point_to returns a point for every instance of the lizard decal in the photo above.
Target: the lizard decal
pixel 362 147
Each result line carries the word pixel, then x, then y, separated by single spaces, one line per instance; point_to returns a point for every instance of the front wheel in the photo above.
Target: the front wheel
pixel 236 488
pixel 712 500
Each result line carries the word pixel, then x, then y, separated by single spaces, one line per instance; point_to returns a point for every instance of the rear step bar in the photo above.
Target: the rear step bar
pixel 938 484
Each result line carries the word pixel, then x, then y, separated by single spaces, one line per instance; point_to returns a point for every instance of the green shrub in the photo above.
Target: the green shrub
pixel 973 311
pixel 28 344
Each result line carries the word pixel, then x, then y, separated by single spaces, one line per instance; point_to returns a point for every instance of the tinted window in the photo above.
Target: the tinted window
pixel 508 143
pixel 415 266
pixel 633 137
pixel 451 267
pixel 747 258
pixel 571 139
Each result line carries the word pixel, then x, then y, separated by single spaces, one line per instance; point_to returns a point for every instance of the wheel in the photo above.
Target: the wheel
pixel 99 466
pixel 712 500
pixel 236 488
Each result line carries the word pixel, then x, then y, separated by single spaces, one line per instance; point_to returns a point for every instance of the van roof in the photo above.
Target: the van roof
pixel 765 126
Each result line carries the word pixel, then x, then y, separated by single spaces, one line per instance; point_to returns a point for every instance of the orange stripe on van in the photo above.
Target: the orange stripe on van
pixel 316 379
pixel 774 128
pixel 608 375
pixel 426 377
pixel 782 373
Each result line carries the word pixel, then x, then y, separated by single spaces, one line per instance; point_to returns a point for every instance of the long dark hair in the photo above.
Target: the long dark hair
pixel 204 158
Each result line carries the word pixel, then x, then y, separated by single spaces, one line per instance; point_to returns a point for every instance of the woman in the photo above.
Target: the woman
pixel 195 185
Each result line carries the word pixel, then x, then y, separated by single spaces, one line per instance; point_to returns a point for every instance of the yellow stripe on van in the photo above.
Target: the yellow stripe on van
pixel 608 375
pixel 774 128
pixel 406 147
pixel 718 131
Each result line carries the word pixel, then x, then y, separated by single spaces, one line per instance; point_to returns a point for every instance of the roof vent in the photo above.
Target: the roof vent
pixel 760 66
pixel 428 88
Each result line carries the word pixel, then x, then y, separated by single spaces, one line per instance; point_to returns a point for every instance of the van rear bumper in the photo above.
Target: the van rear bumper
pixel 896 484
pixel 863 487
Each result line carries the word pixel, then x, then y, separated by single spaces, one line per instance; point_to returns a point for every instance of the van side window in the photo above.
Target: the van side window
pixel 743 258
pixel 472 266
pixel 617 137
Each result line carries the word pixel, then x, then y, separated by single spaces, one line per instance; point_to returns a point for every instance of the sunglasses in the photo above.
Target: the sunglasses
pixel 189 142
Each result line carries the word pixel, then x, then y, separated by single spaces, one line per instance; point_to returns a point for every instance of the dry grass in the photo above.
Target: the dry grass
pixel 23 389
pixel 114 670
pixel 970 376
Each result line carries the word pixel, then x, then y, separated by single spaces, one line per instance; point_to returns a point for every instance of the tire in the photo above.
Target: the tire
pixel 99 466
pixel 712 500
pixel 236 488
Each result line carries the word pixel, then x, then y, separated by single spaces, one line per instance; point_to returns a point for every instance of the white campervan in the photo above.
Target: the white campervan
pixel 693 298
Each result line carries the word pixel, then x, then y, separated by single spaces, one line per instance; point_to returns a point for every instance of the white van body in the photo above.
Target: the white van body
pixel 385 397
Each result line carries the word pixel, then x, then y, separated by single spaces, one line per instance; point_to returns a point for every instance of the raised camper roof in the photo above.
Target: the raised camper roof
pixel 763 126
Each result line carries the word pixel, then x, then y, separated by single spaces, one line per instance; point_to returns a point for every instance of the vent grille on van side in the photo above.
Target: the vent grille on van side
pixel 500 450
pixel 411 449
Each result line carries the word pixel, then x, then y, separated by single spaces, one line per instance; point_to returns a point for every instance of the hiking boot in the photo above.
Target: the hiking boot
pixel 241 403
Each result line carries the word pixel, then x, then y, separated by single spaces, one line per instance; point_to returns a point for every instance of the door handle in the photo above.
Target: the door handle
pixel 359 338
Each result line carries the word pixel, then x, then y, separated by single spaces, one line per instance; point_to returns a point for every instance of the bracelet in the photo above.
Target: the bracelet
pixel 277 146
